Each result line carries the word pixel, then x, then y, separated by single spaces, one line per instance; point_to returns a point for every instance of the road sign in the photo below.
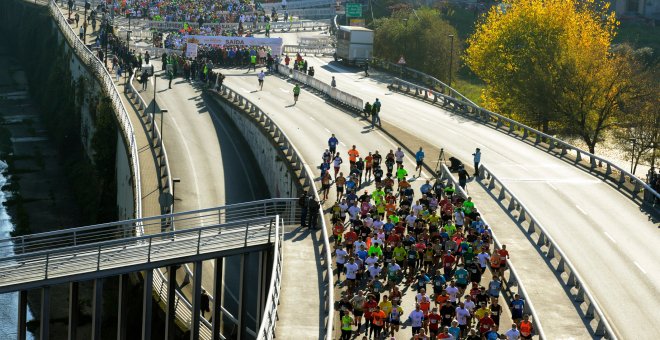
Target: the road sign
pixel 402 61
pixel 353 10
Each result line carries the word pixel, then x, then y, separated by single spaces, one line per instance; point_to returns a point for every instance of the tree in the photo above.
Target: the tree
pixel 550 64
pixel 421 37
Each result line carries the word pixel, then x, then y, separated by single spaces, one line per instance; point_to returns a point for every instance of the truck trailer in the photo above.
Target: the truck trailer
pixel 354 45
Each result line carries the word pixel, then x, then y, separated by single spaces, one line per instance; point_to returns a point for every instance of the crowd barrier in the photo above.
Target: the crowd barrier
pixel 512 281
pixel 267 7
pixel 640 192
pixel 343 98
pixel 553 251
pixel 98 69
pixel 307 182
pixel 281 26
pixel 309 50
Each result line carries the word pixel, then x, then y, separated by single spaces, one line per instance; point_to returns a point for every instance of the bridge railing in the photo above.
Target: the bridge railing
pixel 306 178
pixel 512 281
pixel 98 69
pixel 298 25
pixel 267 328
pixel 617 176
pixel 554 252
pixel 207 236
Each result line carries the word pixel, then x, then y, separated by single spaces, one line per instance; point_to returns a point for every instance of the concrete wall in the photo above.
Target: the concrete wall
pixel 272 161
pixel 125 207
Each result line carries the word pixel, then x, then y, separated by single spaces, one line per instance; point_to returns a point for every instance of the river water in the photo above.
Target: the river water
pixel 8 302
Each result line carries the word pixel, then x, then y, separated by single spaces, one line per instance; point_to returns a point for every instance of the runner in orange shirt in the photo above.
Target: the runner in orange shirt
pixel 368 165
pixel 377 322
pixel 353 154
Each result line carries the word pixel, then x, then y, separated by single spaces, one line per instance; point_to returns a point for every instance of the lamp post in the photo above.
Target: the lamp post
pixel 451 56
pixel 162 117
pixel 632 156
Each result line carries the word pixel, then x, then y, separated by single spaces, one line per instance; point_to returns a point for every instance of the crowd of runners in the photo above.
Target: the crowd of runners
pixel 392 240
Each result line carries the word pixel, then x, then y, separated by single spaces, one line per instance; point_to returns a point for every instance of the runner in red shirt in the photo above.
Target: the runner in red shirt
pixel 349 238
pixel 369 307
pixel 434 322
pixel 485 324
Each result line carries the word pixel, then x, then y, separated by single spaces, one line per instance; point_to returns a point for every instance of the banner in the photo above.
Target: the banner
pixel 191 50
pixel 275 44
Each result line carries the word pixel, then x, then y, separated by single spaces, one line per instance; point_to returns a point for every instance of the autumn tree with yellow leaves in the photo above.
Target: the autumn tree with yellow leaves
pixel 549 64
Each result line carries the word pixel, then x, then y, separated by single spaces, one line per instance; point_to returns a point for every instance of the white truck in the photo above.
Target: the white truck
pixel 354 45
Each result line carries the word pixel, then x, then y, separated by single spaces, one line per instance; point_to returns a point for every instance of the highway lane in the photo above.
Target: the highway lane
pixel 585 215
pixel 215 165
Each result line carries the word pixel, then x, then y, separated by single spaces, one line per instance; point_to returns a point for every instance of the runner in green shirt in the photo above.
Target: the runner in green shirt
pixel 296 93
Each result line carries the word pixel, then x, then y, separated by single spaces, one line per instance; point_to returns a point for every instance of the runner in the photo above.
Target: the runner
pixel 296 93
pixel 332 144
pixel 261 77
pixel 419 158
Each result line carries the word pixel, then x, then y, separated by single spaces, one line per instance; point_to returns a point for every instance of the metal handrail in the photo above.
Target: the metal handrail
pixel 489 117
pixel 267 328
pixel 513 274
pixel 308 181
pixel 348 100
pixel 105 79
pixel 545 239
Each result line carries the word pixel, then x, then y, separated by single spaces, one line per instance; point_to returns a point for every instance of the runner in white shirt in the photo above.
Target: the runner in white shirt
pixel 371 260
pixel 483 258
pixel 417 208
pixel 416 318
pixel 410 220
pixel 261 77
pixel 452 291
pixel 513 333
pixel 340 256
pixel 462 316
pixel 354 211
pixel 398 156
pixel 378 224
pixel 368 221
pixel 374 270
pixel 351 270
pixel 357 245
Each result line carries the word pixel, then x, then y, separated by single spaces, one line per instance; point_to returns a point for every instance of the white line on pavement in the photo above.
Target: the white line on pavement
pixel 342 143
pixel 582 211
pixel 552 186
pixel 284 90
pixel 326 129
pixel 610 237
pixel 640 267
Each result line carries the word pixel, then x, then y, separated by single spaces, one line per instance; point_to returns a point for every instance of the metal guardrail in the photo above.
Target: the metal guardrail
pixel 574 280
pixel 282 26
pixel 313 12
pixel 305 50
pixel 428 80
pixel 641 191
pixel 513 280
pixel 296 4
pixel 348 100
pixel 307 181
pixel 96 68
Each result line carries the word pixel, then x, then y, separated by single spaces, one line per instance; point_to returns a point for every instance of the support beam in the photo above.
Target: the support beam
pixel 217 298
pixel 22 314
pixel 44 329
pixel 242 315
pixel 170 317
pixel 262 285
pixel 196 300
pixel 122 310
pixel 147 304
pixel 73 310
pixel 97 309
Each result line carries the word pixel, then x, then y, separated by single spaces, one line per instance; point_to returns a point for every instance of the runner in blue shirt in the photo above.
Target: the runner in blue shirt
pixel 517 308
pixel 332 144
pixel 419 157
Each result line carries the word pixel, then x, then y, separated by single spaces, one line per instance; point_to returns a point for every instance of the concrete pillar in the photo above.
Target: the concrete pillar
pixel 73 310
pixel 122 310
pixel 217 298
pixel 22 314
pixel 44 328
pixel 170 317
pixel 147 304
pixel 242 314
pixel 97 309
pixel 196 300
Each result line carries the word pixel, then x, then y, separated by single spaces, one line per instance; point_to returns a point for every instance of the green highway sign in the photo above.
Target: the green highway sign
pixel 353 10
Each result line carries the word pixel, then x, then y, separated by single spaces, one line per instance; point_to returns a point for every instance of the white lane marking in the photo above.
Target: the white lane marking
pixel 610 237
pixel 342 143
pixel 552 186
pixel 640 267
pixel 284 90
pixel 326 129
pixel 581 210
pixel 523 167
pixel 386 139
pixel 312 118
pixel 185 145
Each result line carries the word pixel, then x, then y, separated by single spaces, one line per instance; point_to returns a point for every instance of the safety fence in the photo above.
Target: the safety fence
pixel 512 281
pixel 269 319
pixel 345 99
pixel 313 13
pixel 281 26
pixel 639 191
pixel 297 4
pixel 309 50
pixel 306 178
pixel 100 72
pixel 549 247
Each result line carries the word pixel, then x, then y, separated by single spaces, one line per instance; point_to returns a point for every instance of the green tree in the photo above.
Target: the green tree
pixel 549 63
pixel 421 37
